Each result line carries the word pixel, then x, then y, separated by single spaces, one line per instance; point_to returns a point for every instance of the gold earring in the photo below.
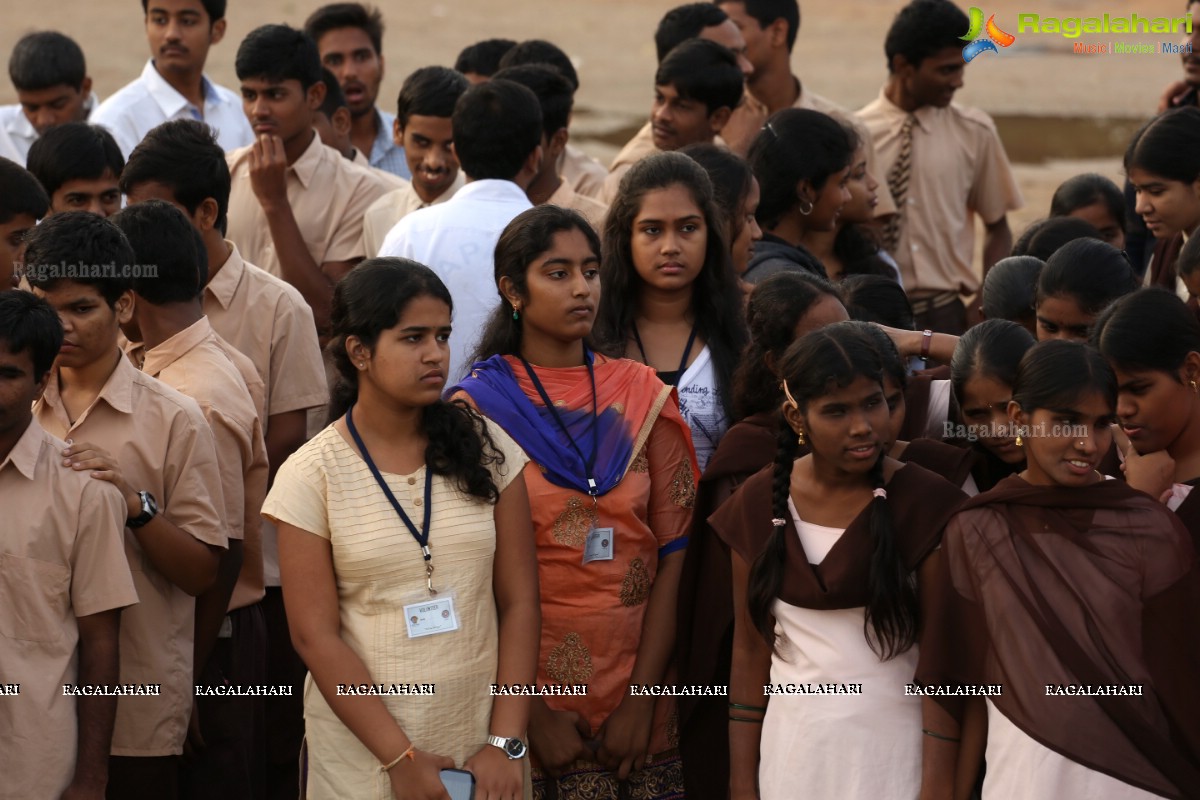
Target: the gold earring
pixel 800 438
pixel 1194 389
pixel 1020 442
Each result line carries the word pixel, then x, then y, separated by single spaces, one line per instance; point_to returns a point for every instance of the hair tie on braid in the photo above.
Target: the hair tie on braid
pixel 779 522
pixel 881 493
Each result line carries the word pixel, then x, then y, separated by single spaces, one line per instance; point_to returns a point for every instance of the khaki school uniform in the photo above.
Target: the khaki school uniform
pixel 584 173
pixel 64 559
pixel 637 148
pixel 394 206
pixel 328 196
pixel 592 210
pixel 164 446
pixel 196 363
pixel 959 169
pixel 266 318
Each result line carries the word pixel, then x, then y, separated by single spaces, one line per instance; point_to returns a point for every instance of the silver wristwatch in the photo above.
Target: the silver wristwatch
pixel 513 747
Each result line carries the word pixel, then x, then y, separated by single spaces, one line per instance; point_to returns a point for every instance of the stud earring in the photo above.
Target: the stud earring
pixel 800 438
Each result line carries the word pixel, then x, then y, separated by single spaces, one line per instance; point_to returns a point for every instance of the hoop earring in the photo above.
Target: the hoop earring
pixel 810 206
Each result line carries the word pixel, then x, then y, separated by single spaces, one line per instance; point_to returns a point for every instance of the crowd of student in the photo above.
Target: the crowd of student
pixel 341 448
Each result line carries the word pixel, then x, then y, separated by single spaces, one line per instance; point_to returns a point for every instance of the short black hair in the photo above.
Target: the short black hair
pixel 214 8
pixel 334 98
pixel 80 247
pixel 705 71
pixel 346 15
pixel 683 23
pixel 278 53
pixel 29 323
pixel 20 192
pixel 430 92
pixel 553 91
pixel 539 51
pixel 73 151
pixel 497 125
pixel 184 156
pixel 162 236
pixel 483 58
pixel 45 59
pixel 922 28
pixel 764 12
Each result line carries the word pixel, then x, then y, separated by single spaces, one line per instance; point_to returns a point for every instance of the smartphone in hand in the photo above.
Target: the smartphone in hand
pixel 459 783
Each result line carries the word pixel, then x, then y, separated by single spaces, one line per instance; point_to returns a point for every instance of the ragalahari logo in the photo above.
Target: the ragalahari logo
pixel 994 37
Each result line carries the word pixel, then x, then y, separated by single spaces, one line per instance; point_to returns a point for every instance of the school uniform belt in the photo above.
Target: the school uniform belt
pixel 923 305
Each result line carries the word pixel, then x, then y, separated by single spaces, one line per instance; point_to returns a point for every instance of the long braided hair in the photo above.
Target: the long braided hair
pixel 829 358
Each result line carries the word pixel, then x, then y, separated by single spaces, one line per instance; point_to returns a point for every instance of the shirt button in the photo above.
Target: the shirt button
pixel 418 502
pixel 915 248
pixel 412 481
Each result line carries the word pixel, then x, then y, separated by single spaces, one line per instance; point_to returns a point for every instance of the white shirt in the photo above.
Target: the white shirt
pixel 17 133
pixel 700 404
pixel 150 101
pixel 457 240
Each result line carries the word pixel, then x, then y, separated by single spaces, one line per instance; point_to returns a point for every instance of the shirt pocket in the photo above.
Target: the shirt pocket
pixel 34 598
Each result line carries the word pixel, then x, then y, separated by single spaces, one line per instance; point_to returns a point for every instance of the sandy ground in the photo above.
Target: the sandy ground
pixel 839 53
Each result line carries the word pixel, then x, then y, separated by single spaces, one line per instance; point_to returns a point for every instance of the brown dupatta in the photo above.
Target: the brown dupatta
pixel 920 504
pixel 952 463
pixel 1095 586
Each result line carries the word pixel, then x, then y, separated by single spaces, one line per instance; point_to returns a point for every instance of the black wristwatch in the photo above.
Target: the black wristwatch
pixel 149 511
pixel 513 747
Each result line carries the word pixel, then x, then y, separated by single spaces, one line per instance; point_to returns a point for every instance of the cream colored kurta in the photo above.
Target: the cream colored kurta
pixel 326 488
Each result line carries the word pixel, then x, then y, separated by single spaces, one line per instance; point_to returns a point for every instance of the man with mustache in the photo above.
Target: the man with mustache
pixel 172 84
pixel 349 37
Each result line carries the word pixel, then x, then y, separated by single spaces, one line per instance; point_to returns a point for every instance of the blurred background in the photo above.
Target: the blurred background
pixel 1059 113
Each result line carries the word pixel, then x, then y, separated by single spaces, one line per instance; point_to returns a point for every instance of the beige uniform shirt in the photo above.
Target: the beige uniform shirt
pixel 266 318
pixel 195 362
pixel 64 559
pixel 584 173
pixel 328 195
pixel 593 210
pixel 394 206
pixel 164 446
pixel 637 148
pixel 959 169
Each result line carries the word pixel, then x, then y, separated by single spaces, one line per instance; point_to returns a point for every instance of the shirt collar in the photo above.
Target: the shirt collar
pixel 383 143
pixel 170 101
pixel 117 390
pixel 306 165
pixel 491 190
pixel 923 115
pixel 224 285
pixel 24 454
pixel 167 353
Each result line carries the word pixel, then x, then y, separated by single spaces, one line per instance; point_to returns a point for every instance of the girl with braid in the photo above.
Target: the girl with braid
pixel 828 553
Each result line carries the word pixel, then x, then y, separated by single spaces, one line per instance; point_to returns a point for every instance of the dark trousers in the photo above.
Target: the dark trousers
pixel 232 763
pixel 950 318
pixel 284 715
pixel 137 778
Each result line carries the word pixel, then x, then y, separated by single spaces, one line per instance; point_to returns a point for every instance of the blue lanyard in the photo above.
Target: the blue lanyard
pixel 422 536
pixel 590 461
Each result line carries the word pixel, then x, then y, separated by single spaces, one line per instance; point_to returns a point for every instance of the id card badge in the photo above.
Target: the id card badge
pixel 599 545
pixel 431 615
